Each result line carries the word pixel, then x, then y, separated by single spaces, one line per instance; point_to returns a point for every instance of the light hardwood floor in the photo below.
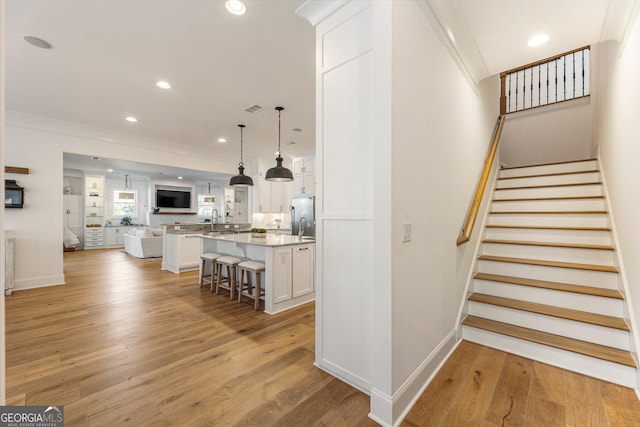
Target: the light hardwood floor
pixel 123 343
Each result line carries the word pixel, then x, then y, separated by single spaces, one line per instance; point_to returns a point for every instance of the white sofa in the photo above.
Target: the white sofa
pixel 144 243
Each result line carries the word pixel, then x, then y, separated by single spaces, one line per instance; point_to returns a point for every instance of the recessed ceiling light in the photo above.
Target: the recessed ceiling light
pixel 163 85
pixel 236 7
pixel 296 130
pixel 291 143
pixel 110 170
pixel 37 42
pixel 95 158
pixel 179 177
pixel 537 40
pixel 222 140
pixel 131 119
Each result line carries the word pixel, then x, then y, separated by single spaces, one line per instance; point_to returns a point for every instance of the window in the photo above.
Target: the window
pixel 205 205
pixel 124 202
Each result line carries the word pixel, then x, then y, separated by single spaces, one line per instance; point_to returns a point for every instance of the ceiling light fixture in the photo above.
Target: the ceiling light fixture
pixel 163 85
pixel 131 119
pixel 537 40
pixel 279 172
pixel 126 182
pixel 222 140
pixel 95 158
pixel 180 177
pixel 37 42
pixel 236 7
pixel 241 178
pixel 110 170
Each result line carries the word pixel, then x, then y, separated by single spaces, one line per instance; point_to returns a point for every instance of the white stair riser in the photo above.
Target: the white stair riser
pixel 558 220
pixel 565 191
pixel 587 165
pixel 598 279
pixel 590 303
pixel 607 371
pixel 549 180
pixel 554 325
pixel 550 205
pixel 548 235
pixel 578 255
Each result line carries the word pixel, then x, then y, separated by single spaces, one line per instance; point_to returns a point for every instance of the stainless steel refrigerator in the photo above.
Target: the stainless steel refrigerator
pixel 303 207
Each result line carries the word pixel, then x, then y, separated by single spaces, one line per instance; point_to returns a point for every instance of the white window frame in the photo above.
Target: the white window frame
pixel 205 209
pixel 116 203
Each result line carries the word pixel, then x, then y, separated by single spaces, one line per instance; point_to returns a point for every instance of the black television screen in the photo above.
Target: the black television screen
pixel 173 199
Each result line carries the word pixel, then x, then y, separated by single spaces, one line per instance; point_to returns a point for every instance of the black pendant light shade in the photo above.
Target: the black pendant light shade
pixel 241 178
pixel 279 172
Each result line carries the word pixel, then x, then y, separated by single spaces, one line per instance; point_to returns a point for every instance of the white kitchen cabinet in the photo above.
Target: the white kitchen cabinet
pixel 293 272
pixel 304 177
pixel 72 215
pixel 114 236
pixel 93 211
pixel 282 274
pixel 182 252
pixel 304 165
pixel 303 269
pixel 272 196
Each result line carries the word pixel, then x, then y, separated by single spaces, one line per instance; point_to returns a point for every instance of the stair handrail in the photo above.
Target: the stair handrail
pixel 465 235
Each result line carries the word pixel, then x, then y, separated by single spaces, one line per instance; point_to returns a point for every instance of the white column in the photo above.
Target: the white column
pixel 353 146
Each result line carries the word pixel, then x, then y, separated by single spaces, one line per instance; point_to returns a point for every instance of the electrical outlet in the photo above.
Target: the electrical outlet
pixel 407 232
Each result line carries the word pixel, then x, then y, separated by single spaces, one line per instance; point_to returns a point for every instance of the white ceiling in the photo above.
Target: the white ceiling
pixel 108 54
pixel 491 35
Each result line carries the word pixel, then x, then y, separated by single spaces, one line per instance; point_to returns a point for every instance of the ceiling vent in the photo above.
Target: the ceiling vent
pixel 253 109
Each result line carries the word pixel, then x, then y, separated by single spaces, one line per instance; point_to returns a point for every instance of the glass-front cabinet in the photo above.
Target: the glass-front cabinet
pixel 93 211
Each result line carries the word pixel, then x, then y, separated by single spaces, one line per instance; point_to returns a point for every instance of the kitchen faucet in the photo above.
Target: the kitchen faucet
pixel 300 227
pixel 214 217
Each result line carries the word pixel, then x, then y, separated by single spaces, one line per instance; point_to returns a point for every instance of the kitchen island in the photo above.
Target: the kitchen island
pixel 289 277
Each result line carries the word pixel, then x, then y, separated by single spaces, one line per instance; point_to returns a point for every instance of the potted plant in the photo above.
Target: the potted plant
pixel 126 220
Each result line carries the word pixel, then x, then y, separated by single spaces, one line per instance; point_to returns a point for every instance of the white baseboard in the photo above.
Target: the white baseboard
pixel 391 410
pixel 350 378
pixel 38 282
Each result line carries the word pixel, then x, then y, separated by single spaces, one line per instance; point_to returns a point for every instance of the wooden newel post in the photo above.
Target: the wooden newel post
pixel 503 94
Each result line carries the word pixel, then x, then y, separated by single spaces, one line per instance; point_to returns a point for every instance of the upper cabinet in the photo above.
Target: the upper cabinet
pixel 304 177
pixel 270 196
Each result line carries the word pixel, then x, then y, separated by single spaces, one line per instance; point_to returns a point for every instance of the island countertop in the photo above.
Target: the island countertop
pixel 271 239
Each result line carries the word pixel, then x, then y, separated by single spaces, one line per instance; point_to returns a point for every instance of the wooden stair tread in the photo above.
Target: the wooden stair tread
pixel 549 164
pixel 550 186
pixel 577 266
pixel 548 212
pixel 550 227
pixel 549 174
pixel 602 352
pixel 550 310
pixel 551 244
pixel 557 286
pixel 539 199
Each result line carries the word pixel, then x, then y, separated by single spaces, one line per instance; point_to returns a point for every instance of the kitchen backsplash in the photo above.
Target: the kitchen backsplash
pixel 273 220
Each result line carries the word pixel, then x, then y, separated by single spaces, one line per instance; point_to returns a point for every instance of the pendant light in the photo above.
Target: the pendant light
pixel 241 178
pixel 126 182
pixel 279 172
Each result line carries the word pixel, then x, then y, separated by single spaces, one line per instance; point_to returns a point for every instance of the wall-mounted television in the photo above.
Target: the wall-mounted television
pixel 173 199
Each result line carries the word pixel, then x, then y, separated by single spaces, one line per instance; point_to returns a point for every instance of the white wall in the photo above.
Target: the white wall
pixel 553 133
pixel 619 137
pixel 39 145
pixel 442 131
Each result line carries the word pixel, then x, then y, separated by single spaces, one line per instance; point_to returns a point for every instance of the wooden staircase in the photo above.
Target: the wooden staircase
pixel 547 284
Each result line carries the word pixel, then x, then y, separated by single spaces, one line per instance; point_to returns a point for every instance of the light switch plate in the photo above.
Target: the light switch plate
pixel 407 232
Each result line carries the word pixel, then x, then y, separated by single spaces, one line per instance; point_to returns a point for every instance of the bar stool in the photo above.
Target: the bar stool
pixel 209 257
pixel 228 282
pixel 250 291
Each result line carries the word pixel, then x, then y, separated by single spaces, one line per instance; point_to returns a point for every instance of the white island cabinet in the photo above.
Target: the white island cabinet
pixel 182 252
pixel 289 262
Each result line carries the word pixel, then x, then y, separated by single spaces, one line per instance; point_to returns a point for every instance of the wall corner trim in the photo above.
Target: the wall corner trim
pixel 315 11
